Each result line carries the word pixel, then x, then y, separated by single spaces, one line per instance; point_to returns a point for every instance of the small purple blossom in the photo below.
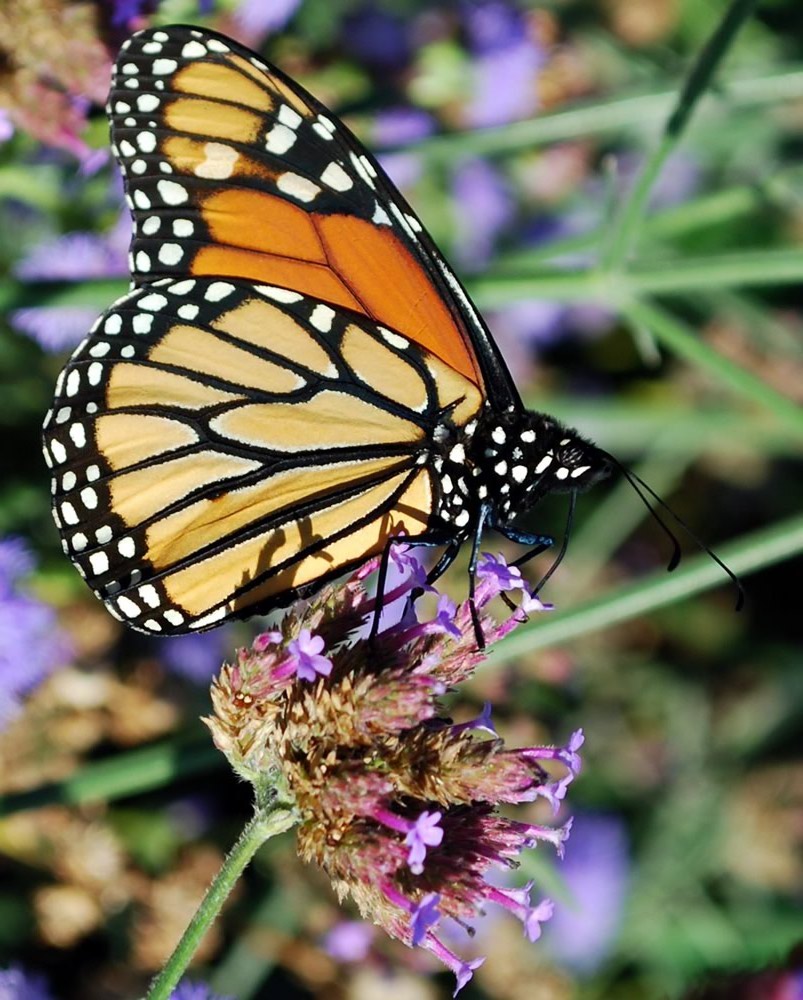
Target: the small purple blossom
pixel 78 256
pixel 423 916
pixel 517 901
pixel 350 941
pixel 187 990
pixel 305 653
pixel 482 722
pixel 425 833
pixel 16 984
pixel 444 618
pixel 505 577
pixel 463 971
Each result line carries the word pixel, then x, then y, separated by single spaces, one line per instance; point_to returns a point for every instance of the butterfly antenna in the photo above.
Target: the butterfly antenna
pixel 638 485
pixel 564 544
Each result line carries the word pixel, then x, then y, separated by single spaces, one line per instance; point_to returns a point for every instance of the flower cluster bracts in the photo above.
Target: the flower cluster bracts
pixel 396 803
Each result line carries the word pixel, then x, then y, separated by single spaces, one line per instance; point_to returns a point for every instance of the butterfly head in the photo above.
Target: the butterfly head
pixel 526 455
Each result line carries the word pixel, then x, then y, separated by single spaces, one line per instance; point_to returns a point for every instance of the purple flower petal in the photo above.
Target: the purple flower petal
pixel 425 833
pixel 305 653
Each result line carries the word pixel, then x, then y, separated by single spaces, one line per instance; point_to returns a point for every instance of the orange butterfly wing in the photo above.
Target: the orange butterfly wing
pixel 232 169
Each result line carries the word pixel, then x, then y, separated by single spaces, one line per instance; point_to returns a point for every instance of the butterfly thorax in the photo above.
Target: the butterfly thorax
pixel 508 461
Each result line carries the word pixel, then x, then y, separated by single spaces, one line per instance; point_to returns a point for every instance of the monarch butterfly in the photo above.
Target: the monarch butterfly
pixel 296 376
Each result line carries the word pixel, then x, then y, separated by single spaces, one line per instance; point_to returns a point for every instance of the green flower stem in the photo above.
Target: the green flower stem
pixel 267 822
pixel 684 342
pixel 628 222
pixel 753 552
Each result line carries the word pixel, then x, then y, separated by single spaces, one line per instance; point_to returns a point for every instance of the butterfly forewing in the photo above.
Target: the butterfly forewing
pixel 218 447
pixel 233 169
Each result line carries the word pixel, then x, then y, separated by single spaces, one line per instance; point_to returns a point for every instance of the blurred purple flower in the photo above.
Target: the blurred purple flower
pixel 31 643
pixel 350 941
pixel 6 126
pixel 258 18
pixel 596 870
pixel 74 256
pixel 506 66
pixel 397 127
pixel 195 657
pixel 195 991
pixel 18 985
pixel 485 206
pixel 125 11
pixel 54 328
pixel 78 256
pixel 377 38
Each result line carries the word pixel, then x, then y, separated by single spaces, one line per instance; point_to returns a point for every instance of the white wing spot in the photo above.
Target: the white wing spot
pixel 172 193
pixel 113 324
pixel 151 225
pixel 394 339
pixel 142 261
pixel 334 176
pixel 126 547
pixel 279 140
pixel 103 535
pixel 545 463
pixel 146 142
pixel 297 187
pixel 322 317
pixel 58 450
pixel 218 290
pixel 68 513
pixel 519 473
pixel 183 228
pixel 94 373
pixel 188 311
pixel 193 50
pixel 562 473
pixel 285 295
pixel 150 595
pixel 153 302
pixel 78 435
pixel 127 606
pixel 170 254
pixel 99 562
pixel 288 116
pixel 148 102
pixel 580 471
pixel 213 616
pixel 174 617
pixel 219 162
pixel 182 287
pixel 142 323
pixel 161 67
pixel 92 473
pixel 141 200
pixel 79 541
pixel 89 498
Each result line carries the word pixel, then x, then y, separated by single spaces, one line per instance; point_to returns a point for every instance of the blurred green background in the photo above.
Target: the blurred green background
pixel 518 131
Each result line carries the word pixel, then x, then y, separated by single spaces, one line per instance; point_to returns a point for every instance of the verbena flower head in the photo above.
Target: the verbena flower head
pixel 396 803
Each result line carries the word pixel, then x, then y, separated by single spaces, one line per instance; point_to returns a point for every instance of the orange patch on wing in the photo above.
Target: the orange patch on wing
pixel 213 119
pixel 203 585
pixel 140 495
pixel 221 82
pixel 123 439
pixel 199 351
pixel 393 288
pixel 314 280
pixel 131 384
pixel 382 369
pixel 183 533
pixel 265 325
pixel 330 419
pixel 409 513
pixel 274 226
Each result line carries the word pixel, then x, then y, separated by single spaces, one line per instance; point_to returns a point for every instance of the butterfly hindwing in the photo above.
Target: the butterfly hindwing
pixel 218 446
pixel 232 169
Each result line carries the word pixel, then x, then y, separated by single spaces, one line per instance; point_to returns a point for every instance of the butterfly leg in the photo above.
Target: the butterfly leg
pixel 425 541
pixel 472 574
